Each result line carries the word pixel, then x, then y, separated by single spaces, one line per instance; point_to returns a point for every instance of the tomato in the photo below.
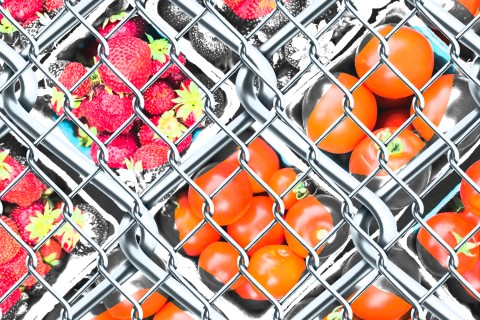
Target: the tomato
pixel 263 161
pixel 231 202
pixel 277 268
pixel 393 118
pixel 171 312
pixel 219 259
pixel 470 197
pixel 401 150
pixel 329 107
pixel 186 221
pixel 284 178
pixel 436 101
pixel 409 52
pixel 377 304
pixel 104 316
pixel 451 227
pixel 258 216
pixel 150 306
pixel 311 220
pixel 387 103
pixel 471 5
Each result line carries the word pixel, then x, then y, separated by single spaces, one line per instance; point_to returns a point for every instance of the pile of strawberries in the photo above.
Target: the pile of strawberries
pixel 32 217
pixel 103 102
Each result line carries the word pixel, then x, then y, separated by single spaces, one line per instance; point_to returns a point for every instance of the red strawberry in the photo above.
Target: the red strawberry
pixel 107 111
pixel 7 280
pixel 67 235
pixel 30 20
pixel 18 266
pixel 151 156
pixel 135 27
pixel 121 148
pixel 35 221
pixel 131 56
pixel 167 124
pixel 158 98
pixel 72 72
pixel 176 79
pixel 52 252
pixel 189 104
pixel 9 247
pixel 251 9
pixel 22 10
pixel 51 5
pixel 27 190
pixel 160 57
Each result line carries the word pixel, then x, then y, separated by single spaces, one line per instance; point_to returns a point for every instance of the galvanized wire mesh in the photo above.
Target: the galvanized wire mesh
pixel 180 171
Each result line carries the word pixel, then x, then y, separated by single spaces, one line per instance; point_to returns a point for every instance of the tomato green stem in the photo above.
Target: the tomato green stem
pixel 465 249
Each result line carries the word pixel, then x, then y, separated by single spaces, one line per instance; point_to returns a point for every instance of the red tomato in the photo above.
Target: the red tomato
pixel 393 118
pixel 263 161
pixel 311 220
pixel 229 204
pixel 451 227
pixel 104 316
pixel 436 102
pixel 377 304
pixel 277 268
pixel 473 278
pixel 470 197
pixel 248 292
pixel 472 218
pixel 409 51
pixel 284 178
pixel 153 303
pixel 258 216
pixel 172 312
pixel 471 5
pixel 401 150
pixel 346 134
pixel 186 221
pixel 220 260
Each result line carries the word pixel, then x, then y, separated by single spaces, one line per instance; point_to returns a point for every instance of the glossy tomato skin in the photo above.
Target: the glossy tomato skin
pixel 249 226
pixel 402 149
pixel 433 256
pixel 277 268
pixel 327 108
pixel 311 220
pixel 219 260
pixel 284 178
pixel 150 306
pixel 186 221
pixel 231 202
pixel 470 197
pixel 393 118
pixel 171 312
pixel 250 298
pixel 263 161
pixel 405 46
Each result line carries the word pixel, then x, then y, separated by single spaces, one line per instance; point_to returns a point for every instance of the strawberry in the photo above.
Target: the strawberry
pixel 6 27
pixel 9 247
pixel 135 27
pixel 18 266
pixel 167 124
pixel 7 280
pixel 35 221
pixel 176 79
pixel 106 110
pixel 131 56
pixel 51 5
pixel 121 148
pixel 151 156
pixel 160 56
pixel 67 235
pixel 27 190
pixel 158 98
pixel 52 252
pixel 189 104
pixel 71 73
pixel 22 10
pixel 251 9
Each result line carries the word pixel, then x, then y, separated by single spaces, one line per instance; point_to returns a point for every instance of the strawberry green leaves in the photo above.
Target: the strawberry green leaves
pixel 6 26
pixel 189 101
pixel 85 140
pixel 41 224
pixel 5 168
pixel 159 48
pixel 169 125
pixel 67 235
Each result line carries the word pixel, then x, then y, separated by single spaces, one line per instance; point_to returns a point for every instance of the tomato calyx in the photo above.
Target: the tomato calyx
pixel 465 249
pixel 395 146
pixel 336 314
pixel 300 191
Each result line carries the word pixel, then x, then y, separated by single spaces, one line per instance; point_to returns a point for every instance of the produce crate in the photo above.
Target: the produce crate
pixel 147 233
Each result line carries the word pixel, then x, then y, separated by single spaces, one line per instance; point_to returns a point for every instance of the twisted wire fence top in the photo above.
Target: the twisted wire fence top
pixel 273 105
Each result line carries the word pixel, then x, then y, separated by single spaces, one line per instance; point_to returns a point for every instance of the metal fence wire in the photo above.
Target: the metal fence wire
pixel 266 104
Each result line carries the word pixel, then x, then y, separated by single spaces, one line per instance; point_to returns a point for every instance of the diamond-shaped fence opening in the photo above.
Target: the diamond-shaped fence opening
pixel 250 217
